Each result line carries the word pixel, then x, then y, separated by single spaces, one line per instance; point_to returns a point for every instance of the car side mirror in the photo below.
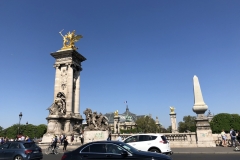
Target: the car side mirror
pixel 124 153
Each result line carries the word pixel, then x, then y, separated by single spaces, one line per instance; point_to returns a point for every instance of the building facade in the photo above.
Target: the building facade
pixel 127 120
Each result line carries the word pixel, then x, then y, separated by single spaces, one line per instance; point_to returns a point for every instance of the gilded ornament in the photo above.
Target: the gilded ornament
pixel 69 40
pixel 116 113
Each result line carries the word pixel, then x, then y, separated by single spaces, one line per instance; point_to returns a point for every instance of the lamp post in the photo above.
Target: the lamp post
pixel 20 117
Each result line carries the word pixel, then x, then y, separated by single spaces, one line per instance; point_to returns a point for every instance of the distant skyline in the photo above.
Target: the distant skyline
pixel 142 52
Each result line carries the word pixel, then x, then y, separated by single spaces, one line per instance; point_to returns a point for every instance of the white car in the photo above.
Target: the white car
pixel 150 142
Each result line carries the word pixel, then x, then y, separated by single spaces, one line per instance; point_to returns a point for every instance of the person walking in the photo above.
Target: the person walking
pixel 72 139
pixel 238 137
pixel 61 139
pixel 223 135
pixel 81 138
pixel 233 138
pixel 65 143
pixel 109 137
pixel 119 138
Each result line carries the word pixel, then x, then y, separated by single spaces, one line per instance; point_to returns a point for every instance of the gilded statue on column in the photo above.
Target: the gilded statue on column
pixel 116 113
pixel 69 40
pixel 172 110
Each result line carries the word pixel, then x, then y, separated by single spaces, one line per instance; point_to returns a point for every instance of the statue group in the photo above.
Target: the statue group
pixel 69 40
pixel 95 121
pixel 59 105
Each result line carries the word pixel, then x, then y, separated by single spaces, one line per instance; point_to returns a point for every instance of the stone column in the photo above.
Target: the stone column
pixel 57 80
pixel 173 122
pixel 116 124
pixel 69 101
pixel 77 94
pixel 203 129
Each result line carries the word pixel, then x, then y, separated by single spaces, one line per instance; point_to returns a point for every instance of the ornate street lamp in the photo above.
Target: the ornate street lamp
pixel 20 117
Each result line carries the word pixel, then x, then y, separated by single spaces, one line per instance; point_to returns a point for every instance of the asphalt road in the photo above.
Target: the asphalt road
pixel 175 157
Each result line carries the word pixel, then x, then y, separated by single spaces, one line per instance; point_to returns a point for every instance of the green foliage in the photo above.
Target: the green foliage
pixel 187 124
pixel 146 125
pixel 27 130
pixel 169 129
pixel 1 128
pixel 134 130
pixel 225 121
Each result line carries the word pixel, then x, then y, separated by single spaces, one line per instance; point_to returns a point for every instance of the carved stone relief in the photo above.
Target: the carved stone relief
pixel 59 105
pixel 63 59
pixel 95 121
pixel 64 77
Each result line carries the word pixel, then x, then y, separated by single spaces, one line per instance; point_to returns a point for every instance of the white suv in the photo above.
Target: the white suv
pixel 150 142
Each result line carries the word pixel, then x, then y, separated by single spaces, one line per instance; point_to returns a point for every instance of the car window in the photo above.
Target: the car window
pixel 144 138
pixel 4 146
pixel 14 146
pixel 115 149
pixel 86 149
pixel 97 148
pixel 29 145
pixel 128 147
pixel 164 138
pixel 131 139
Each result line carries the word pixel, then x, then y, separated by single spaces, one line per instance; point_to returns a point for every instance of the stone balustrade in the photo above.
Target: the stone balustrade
pixel 178 139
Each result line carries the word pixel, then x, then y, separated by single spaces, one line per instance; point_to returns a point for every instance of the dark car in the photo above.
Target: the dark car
pixel 20 150
pixel 111 150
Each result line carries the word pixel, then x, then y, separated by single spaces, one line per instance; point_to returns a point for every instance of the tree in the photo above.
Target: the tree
pixel 27 130
pixel 1 128
pixel 225 121
pixel 169 129
pixel 146 124
pixel 187 124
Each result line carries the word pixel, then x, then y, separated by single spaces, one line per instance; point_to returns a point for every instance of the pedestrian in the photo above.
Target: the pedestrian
pixel 109 137
pixel 72 139
pixel 65 143
pixel 54 143
pixel 233 137
pixel 119 138
pixel 223 135
pixel 82 138
pixel 61 139
pixel 238 137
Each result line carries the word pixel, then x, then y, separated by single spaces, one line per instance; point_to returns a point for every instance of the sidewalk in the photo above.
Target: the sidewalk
pixel 207 150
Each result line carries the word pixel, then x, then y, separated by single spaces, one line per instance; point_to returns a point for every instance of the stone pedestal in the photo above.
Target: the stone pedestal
pixel 91 136
pixel 116 124
pixel 64 114
pixel 173 122
pixel 203 130
pixel 204 133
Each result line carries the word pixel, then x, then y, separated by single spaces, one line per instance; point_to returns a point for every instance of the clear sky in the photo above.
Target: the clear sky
pixel 140 51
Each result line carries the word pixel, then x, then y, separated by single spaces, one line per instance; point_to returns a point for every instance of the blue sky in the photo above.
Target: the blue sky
pixel 143 52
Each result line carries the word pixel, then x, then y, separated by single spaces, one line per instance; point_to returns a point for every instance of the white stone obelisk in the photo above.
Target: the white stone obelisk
pixel 203 129
pixel 199 106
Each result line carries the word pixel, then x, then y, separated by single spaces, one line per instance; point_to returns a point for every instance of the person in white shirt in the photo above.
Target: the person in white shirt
pixel 119 138
pixel 224 137
pixel 22 138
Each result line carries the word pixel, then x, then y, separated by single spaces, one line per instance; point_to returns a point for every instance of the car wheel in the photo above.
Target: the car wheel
pixel 18 158
pixel 154 150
